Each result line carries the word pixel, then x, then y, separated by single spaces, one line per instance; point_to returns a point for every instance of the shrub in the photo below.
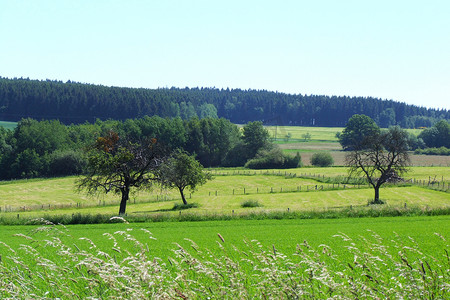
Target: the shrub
pixel 181 206
pixel 273 159
pixel 433 151
pixel 64 163
pixel 322 159
pixel 251 203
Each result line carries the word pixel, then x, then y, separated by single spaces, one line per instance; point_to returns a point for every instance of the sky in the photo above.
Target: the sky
pixel 396 50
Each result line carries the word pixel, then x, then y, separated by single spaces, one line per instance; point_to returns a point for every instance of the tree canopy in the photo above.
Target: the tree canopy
pixel 437 136
pixel 116 164
pixel 359 131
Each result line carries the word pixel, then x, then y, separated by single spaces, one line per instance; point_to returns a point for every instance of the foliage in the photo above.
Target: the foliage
pixel 181 171
pixel 66 163
pixel 116 165
pixel 433 151
pixel 437 136
pixel 415 142
pixel 322 159
pixel 306 136
pixel 358 132
pixel 255 138
pixel 273 159
pixel 380 157
pixel 35 149
pixel 76 103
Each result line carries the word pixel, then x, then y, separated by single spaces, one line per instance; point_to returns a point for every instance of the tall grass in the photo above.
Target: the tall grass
pixel 259 214
pixel 377 268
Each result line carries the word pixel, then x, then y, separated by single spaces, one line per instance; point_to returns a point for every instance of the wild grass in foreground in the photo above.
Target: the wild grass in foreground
pixel 376 268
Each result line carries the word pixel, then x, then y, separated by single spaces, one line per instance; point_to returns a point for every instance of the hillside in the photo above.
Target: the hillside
pixel 77 102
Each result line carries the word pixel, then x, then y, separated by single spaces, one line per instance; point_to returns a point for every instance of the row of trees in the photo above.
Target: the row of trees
pixel 438 136
pixel 76 103
pixel 50 148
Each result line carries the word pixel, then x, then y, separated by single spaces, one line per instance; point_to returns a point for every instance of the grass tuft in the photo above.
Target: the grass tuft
pixel 182 206
pixel 251 203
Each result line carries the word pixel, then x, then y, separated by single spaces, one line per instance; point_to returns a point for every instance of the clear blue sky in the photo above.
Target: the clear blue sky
pixel 392 49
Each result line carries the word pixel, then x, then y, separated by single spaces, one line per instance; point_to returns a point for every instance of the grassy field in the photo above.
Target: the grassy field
pixel 8 125
pixel 225 193
pixel 323 139
pixel 363 258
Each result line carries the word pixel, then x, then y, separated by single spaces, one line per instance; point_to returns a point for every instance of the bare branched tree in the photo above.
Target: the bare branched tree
pixel 380 157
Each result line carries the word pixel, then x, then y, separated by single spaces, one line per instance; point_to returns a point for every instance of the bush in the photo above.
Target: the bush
pixel 251 203
pixel 178 206
pixel 433 151
pixel 274 159
pixel 63 163
pixel 322 159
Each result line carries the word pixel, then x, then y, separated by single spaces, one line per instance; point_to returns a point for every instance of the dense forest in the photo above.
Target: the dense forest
pixel 77 103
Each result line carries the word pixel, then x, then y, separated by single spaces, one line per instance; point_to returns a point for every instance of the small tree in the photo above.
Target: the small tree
pixel 181 171
pixel 116 165
pixel 381 157
pixel 306 136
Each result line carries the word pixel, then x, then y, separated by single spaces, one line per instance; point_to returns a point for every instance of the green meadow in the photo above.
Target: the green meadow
pixel 302 189
pixel 275 259
pixel 278 257
pixel 8 125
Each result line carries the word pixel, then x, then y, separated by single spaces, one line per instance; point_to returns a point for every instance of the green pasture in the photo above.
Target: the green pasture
pixel 318 134
pixel 275 190
pixel 8 125
pixel 284 234
pixel 233 258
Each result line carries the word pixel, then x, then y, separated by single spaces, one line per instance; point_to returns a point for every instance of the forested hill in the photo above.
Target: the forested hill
pixel 76 103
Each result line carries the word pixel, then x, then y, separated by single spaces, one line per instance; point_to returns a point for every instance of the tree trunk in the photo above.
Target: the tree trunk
pixel 377 200
pixel 182 196
pixel 123 203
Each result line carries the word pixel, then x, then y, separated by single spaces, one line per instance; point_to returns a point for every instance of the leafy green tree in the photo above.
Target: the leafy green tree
pixel 306 136
pixel 27 164
pixel 117 165
pixel 381 157
pixel 182 171
pixel 437 136
pixel 207 110
pixel 387 118
pixel 359 130
pixel 255 137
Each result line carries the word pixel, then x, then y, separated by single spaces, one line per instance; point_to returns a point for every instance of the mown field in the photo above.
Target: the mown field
pixel 272 189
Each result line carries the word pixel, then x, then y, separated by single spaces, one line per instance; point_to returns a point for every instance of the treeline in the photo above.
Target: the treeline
pixel 77 103
pixel 50 148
